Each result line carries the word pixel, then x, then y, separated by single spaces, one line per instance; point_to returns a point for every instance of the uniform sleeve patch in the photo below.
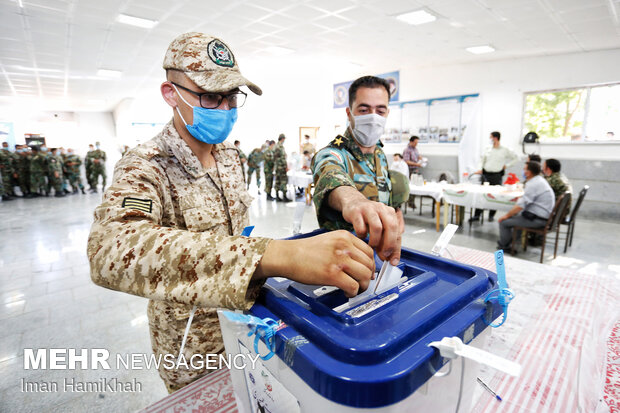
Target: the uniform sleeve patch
pixel 144 205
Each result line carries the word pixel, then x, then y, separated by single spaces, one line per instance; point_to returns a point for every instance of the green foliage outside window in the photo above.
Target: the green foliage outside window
pixel 556 114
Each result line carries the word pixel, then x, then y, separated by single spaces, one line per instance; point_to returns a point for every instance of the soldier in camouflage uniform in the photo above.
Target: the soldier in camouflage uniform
pixel 353 188
pixel 97 159
pixel 256 157
pixel 23 170
pixel 7 167
pixel 38 171
pixel 54 173
pixel 281 169
pixel 88 166
pixel 268 158
pixel 556 179
pixel 242 158
pixel 72 166
pixel 169 226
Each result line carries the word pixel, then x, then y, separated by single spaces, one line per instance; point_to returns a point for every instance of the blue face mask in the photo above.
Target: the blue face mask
pixel 43 149
pixel 210 125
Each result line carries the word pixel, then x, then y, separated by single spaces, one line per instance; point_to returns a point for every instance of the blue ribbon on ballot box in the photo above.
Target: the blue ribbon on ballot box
pixel 503 295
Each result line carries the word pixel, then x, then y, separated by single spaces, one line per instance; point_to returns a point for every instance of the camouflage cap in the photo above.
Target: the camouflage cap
pixel 207 61
pixel 400 188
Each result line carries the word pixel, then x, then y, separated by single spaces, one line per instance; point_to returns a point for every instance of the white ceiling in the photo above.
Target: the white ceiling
pixel 51 49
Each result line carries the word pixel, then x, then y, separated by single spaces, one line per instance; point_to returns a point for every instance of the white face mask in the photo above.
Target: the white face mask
pixel 368 129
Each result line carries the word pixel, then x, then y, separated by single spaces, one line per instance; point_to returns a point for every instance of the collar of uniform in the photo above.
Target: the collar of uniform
pixel 350 144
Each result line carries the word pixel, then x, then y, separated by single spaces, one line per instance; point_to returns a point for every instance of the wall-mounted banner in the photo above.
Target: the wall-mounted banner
pixel 7 134
pixel 341 90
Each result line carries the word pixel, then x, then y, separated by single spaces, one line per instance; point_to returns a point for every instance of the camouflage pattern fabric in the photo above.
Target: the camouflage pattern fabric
pixel 560 184
pixel 54 173
pixel 168 230
pixel 268 166
pixel 72 166
pixel 88 167
pixel 38 172
pixel 342 163
pixel 23 168
pixel 256 157
pixel 280 167
pixel 97 159
pixel 7 165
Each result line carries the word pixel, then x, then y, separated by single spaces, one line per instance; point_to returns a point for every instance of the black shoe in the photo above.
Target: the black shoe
pixel 82 189
pixel 29 196
pixel 59 195
pixel 285 199
pixel 7 198
pixel 93 191
pixel 269 197
pixel 474 219
pixel 47 193
pixel 491 219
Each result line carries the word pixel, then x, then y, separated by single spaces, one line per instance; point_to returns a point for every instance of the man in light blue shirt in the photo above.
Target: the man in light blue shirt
pixel 532 209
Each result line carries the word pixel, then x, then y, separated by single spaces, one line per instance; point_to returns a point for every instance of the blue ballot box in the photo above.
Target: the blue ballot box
pixel 331 357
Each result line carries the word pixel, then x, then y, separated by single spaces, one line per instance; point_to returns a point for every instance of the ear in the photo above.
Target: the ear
pixel 169 94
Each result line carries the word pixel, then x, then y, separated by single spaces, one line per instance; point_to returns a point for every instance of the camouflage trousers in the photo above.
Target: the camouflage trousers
pixel 252 171
pixel 24 182
pixel 205 337
pixel 54 182
pixel 37 182
pixel 75 180
pixel 281 180
pixel 268 180
pixel 96 171
pixel 6 183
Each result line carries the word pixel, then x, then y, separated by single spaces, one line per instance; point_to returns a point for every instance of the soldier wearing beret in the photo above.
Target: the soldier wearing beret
pixel 169 225
pixel 353 188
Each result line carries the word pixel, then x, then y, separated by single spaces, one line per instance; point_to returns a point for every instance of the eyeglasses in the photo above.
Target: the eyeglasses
pixel 210 100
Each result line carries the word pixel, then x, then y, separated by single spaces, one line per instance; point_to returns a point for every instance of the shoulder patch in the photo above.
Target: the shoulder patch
pixel 144 205
pixel 337 155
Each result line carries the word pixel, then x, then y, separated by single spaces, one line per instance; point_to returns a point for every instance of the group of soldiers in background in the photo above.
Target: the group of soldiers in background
pixel 36 170
pixel 273 157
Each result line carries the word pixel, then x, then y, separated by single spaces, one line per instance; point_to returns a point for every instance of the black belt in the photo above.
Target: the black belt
pixel 492 173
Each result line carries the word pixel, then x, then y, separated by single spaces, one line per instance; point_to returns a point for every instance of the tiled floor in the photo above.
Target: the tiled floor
pixel 48 301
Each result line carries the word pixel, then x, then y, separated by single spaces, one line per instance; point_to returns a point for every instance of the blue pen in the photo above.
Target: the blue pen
pixel 490 391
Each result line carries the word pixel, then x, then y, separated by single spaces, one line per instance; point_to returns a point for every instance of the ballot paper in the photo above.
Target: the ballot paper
pixel 387 278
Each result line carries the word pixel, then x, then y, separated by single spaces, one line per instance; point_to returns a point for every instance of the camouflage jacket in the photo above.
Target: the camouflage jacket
pixel 88 159
pixel 279 157
pixel 559 183
pixel 72 164
pixel 268 157
pixel 39 163
pixel 168 229
pixel 255 159
pixel 99 155
pixel 7 162
pixel 342 163
pixel 54 164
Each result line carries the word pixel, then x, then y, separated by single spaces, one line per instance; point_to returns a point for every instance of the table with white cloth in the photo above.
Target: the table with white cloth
pixel 468 195
pixel 433 190
pixel 301 179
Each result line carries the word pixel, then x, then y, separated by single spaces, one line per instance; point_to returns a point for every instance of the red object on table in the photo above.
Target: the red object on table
pixel 512 179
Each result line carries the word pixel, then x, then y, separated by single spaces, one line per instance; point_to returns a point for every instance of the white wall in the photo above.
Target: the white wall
pixel 501 85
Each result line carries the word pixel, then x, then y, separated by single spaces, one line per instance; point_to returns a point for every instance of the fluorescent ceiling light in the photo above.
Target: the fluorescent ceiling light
pixel 109 73
pixel 480 49
pixel 456 24
pixel 136 21
pixel 417 17
pixel 278 51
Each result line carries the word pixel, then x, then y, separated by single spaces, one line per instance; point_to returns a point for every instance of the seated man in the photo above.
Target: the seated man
pixel 532 209
pixel 353 188
pixel 557 180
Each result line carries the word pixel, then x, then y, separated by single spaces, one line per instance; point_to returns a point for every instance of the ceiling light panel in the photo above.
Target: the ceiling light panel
pixel 136 21
pixel 417 17
pixel 480 49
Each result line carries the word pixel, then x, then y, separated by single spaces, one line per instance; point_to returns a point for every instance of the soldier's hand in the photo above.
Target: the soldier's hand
pixel 335 258
pixel 382 224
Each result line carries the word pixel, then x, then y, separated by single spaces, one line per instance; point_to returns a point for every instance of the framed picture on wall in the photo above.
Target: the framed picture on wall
pixel 34 139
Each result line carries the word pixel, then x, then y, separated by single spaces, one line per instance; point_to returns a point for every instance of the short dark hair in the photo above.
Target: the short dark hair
pixel 367 81
pixel 496 134
pixel 306 152
pixel 553 164
pixel 534 157
pixel 534 167
pixel 413 138
pixel 236 142
pixel 281 137
pixel 307 136
pixel 272 142
pixel 399 155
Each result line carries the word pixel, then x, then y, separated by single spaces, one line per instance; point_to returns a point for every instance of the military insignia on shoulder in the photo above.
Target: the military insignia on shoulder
pixel 144 205
pixel 337 141
pixel 220 54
